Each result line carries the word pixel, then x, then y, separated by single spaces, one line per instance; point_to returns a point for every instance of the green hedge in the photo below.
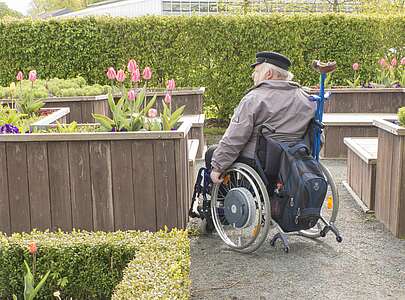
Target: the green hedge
pixel 87 265
pixel 210 51
pixel 166 259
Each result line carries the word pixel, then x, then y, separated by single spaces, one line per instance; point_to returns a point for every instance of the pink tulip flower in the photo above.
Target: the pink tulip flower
pixel 120 75
pixel 132 66
pixel 111 73
pixel 382 62
pixel 152 113
pixel 394 62
pixel 147 73
pixel 168 98
pixel 403 61
pixel 355 66
pixel 171 84
pixel 131 95
pixel 20 76
pixel 32 75
pixel 136 75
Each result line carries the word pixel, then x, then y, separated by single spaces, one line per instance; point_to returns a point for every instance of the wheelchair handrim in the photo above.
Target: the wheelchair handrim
pixel 250 174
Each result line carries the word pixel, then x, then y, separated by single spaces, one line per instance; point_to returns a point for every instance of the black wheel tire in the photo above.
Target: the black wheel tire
pixel 339 239
pixel 272 243
pixel 322 233
pixel 207 226
pixel 286 249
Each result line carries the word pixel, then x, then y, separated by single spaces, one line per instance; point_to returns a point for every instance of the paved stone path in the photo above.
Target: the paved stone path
pixel 368 264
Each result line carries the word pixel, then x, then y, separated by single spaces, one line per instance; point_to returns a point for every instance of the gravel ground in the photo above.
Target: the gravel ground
pixel 369 263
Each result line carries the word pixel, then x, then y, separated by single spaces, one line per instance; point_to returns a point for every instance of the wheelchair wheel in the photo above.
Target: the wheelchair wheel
pixel 329 209
pixel 240 208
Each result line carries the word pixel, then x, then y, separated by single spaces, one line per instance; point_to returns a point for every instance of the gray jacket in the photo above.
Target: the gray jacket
pixel 281 104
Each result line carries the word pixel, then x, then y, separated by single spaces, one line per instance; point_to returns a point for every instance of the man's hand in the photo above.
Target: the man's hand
pixel 216 176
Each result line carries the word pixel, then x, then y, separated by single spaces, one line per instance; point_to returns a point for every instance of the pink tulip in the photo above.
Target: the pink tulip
pixel 20 76
pixel 132 66
pixel 168 98
pixel 152 113
pixel 131 95
pixel 171 84
pixel 120 76
pixel 32 75
pixel 136 75
pixel 111 73
pixel 355 66
pixel 382 62
pixel 403 61
pixel 394 62
pixel 147 73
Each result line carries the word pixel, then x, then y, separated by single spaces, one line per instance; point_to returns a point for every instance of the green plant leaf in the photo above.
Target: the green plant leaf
pixel 105 121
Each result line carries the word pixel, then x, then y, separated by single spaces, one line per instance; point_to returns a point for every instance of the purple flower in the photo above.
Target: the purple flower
pixel 8 128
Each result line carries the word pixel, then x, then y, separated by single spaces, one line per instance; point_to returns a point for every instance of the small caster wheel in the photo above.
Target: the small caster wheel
pixel 339 239
pixel 272 243
pixel 322 233
pixel 286 249
pixel 207 226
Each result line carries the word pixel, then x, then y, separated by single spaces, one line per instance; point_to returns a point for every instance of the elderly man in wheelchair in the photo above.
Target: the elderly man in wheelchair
pixel 265 171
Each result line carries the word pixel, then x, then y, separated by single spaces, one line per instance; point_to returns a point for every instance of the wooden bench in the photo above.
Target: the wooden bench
pixel 196 131
pixel 341 125
pixel 362 169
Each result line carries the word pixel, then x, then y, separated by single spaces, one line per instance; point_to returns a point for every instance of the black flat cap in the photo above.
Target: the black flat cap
pixel 273 58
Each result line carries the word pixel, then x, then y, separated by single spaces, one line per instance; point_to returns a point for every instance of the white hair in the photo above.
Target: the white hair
pixel 278 72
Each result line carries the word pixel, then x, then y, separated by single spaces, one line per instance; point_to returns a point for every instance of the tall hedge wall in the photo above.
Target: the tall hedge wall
pixel 212 51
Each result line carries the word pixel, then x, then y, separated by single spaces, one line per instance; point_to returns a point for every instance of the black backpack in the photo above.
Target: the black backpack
pixel 296 184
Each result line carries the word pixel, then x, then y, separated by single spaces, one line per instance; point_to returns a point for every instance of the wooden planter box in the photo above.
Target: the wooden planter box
pixel 361 168
pixel 390 181
pixel 81 107
pixel 364 100
pixel 191 98
pixel 341 125
pixel 94 181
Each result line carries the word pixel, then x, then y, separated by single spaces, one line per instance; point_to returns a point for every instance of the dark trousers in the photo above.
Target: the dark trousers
pixel 210 152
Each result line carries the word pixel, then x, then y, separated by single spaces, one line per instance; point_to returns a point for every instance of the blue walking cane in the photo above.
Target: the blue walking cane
pixel 323 68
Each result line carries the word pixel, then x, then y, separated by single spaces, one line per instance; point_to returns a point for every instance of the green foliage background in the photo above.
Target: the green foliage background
pixel 210 51
pixel 91 265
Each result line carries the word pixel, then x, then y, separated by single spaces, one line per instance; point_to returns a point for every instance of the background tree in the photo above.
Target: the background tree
pixel 41 6
pixel 6 11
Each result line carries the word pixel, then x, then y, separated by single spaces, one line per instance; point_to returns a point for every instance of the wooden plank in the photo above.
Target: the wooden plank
pixel 393 195
pixel 143 166
pixel 98 136
pixel 87 110
pixel 188 186
pixel 18 187
pixel 59 185
pixel 101 182
pixel 80 185
pixel 75 112
pixel 401 208
pixel 354 119
pixel 165 184
pixel 38 179
pixel 123 195
pixel 180 178
pixel 5 225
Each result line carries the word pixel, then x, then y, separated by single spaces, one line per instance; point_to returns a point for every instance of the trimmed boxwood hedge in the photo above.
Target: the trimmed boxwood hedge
pixel 89 265
pixel 210 51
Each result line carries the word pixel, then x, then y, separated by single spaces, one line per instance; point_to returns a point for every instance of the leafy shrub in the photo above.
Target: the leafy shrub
pixel 88 265
pixel 401 116
pixel 166 258
pixel 199 50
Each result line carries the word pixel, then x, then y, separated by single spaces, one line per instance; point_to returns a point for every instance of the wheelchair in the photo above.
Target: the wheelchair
pixel 241 208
